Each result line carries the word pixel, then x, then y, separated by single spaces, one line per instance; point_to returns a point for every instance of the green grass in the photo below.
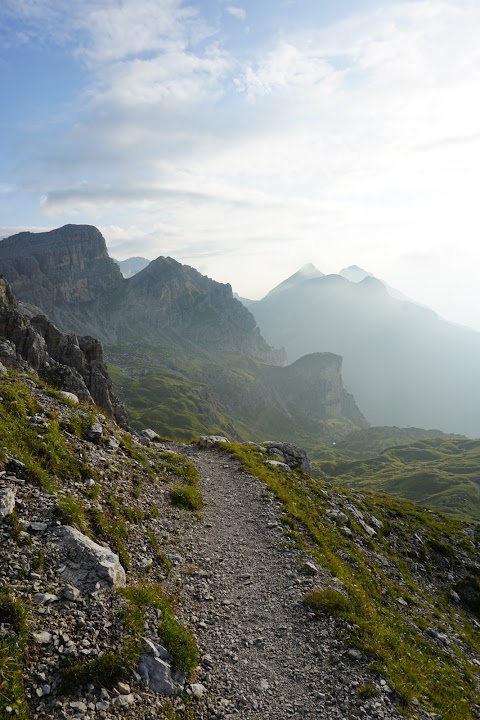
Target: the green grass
pixel 177 638
pixel 440 472
pixel 13 647
pixel 186 497
pixel 47 458
pixel 328 602
pixel 71 511
pixel 390 635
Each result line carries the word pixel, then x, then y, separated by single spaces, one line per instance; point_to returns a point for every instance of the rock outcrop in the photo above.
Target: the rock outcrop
pixel 64 266
pixel 314 382
pixel 75 364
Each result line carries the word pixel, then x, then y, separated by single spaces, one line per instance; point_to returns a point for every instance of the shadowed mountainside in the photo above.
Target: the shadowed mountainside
pixel 405 365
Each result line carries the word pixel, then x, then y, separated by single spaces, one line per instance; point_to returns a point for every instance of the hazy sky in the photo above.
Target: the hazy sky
pixel 247 138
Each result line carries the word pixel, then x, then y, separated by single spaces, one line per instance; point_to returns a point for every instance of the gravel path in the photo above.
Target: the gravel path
pixel 263 654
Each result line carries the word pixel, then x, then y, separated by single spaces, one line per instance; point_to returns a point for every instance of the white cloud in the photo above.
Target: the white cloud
pixel 237 12
pixel 358 143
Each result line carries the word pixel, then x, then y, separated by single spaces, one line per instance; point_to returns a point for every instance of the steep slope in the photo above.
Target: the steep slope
pixel 404 364
pixel 300 597
pixel 74 364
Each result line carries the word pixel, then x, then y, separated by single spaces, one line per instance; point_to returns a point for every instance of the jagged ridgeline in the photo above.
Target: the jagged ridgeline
pixel 187 357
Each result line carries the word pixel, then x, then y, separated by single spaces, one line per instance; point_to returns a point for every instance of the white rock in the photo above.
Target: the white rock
pixel 70 592
pixel 123 700
pixel 7 502
pixel 150 434
pixel 207 441
pixel 277 464
pixel 69 396
pixel 155 670
pixel 198 690
pixel 89 564
pixel 43 638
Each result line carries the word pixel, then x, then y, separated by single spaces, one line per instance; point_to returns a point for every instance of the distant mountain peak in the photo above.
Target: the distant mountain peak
pixel 306 272
pixel 354 273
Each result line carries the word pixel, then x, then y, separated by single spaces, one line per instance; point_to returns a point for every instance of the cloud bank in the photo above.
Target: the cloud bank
pixel 355 142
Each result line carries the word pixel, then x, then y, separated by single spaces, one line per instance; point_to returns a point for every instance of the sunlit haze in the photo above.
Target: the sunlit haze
pixel 249 138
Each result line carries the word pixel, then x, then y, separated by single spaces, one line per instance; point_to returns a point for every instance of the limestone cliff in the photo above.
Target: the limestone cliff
pixel 66 265
pixel 75 364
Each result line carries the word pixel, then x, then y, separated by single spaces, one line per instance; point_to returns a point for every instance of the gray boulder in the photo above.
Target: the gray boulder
pixel 155 670
pixel 88 565
pixel 291 455
pixel 208 441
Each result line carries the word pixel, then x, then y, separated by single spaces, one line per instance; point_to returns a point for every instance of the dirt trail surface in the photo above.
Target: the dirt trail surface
pixel 263 653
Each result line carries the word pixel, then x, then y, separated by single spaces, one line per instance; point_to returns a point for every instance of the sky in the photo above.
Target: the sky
pixel 248 138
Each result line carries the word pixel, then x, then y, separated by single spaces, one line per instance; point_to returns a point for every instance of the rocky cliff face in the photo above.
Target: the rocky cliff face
pixel 75 364
pixel 169 295
pixel 67 265
pixel 314 383
pixel 68 274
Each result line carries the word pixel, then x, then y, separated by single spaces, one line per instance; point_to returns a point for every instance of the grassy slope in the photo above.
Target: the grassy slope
pixel 376 572
pixel 49 455
pixel 181 392
pixel 443 473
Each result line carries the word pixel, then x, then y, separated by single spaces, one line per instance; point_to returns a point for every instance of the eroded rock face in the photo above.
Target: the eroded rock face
pixel 66 265
pixel 76 364
pixel 87 564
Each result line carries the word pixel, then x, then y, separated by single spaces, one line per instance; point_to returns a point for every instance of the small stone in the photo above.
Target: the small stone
pixel 123 700
pixel 71 397
pixel 44 598
pixel 308 568
pixel 7 502
pixel 355 654
pixel 78 705
pixel 198 690
pixel 264 684
pixel 123 688
pixel 43 638
pixel 70 592
pixel 95 432
pixel 38 526
pixel 102 705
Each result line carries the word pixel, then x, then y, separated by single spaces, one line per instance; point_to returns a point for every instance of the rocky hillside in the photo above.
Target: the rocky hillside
pixel 73 363
pixel 140 578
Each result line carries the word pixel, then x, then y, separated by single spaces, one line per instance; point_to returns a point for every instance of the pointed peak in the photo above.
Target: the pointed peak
pixel 354 273
pixel 309 270
pixel 306 272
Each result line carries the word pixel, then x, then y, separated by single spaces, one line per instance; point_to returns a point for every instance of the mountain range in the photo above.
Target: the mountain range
pixel 186 355
pixel 404 364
